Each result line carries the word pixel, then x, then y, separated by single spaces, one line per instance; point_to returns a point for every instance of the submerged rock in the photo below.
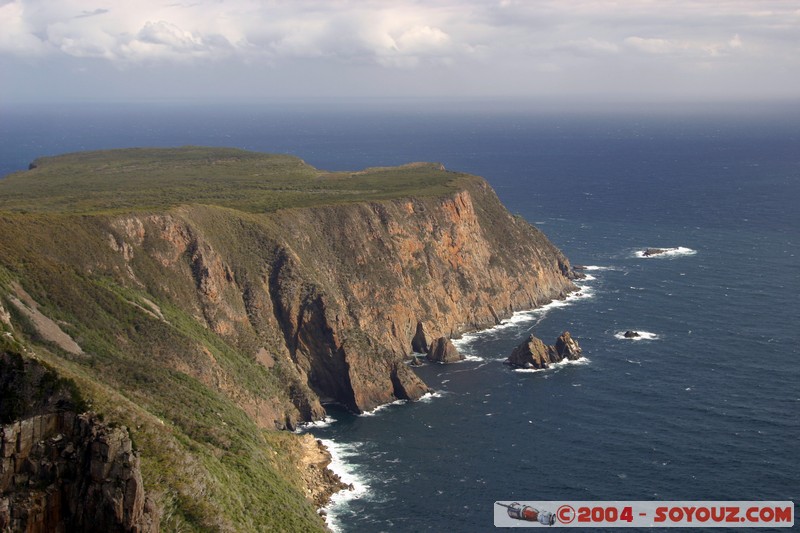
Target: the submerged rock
pixel 653 251
pixel 442 350
pixel 631 334
pixel 534 353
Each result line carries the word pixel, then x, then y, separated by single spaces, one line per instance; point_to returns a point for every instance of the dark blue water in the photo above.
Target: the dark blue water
pixel 707 410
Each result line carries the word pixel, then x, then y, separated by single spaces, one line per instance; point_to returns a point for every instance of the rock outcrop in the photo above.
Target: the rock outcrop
pixel 653 251
pixel 420 344
pixel 320 481
pixel 442 350
pixel 535 354
pixel 630 334
pixel 59 470
pixel 68 472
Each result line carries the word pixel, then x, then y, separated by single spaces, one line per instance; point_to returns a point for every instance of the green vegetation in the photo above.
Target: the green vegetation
pixel 154 179
pixel 197 404
pixel 205 460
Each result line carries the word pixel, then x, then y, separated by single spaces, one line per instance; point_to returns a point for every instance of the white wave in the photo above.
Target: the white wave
pixel 595 267
pixel 349 474
pixel 382 407
pixel 643 336
pixel 523 318
pixel 555 366
pixel 305 426
pixel 429 396
pixel 668 252
pixel 529 370
pixel 571 362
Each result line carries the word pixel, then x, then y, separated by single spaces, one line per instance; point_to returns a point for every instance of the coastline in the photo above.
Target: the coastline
pixel 356 487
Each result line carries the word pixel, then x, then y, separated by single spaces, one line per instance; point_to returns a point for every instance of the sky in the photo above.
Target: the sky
pixel 248 50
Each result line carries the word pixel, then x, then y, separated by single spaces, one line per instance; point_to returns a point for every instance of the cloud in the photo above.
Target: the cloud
pixel 96 12
pixel 589 47
pixel 164 40
pixel 657 46
pixel 653 46
pixel 18 36
pixel 371 30
pixel 470 44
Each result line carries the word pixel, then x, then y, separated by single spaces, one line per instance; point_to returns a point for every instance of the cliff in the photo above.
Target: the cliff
pixel 60 470
pixel 206 317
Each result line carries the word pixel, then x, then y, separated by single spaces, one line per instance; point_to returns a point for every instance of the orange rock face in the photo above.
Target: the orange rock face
pixel 336 294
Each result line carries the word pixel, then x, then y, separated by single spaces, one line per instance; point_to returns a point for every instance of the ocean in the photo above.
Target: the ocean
pixel 705 406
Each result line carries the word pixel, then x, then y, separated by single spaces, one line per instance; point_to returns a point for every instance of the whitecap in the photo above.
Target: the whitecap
pixel 528 317
pixel 349 475
pixel 555 366
pixel 429 396
pixel 381 407
pixel 668 252
pixel 315 424
pixel 571 362
pixel 596 267
pixel 643 336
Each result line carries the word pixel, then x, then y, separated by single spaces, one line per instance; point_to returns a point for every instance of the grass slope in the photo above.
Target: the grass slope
pixel 207 463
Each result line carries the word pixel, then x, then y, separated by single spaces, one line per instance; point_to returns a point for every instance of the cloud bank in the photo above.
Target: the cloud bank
pixel 615 46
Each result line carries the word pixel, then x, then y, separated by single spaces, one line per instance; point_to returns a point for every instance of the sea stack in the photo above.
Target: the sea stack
pixel 535 354
pixel 442 350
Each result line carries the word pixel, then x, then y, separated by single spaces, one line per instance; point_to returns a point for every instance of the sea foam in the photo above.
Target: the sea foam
pixel 349 474
pixel 521 319
pixel 305 426
pixel 429 396
pixel 643 336
pixel 668 252
pixel 596 267
pixel 382 407
pixel 555 366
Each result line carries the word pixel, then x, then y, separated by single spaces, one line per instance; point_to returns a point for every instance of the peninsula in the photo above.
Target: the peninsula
pixel 166 313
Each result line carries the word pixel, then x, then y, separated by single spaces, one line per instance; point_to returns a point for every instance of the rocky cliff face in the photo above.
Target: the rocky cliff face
pixel 200 326
pixel 60 471
pixel 348 287
pixel 68 472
